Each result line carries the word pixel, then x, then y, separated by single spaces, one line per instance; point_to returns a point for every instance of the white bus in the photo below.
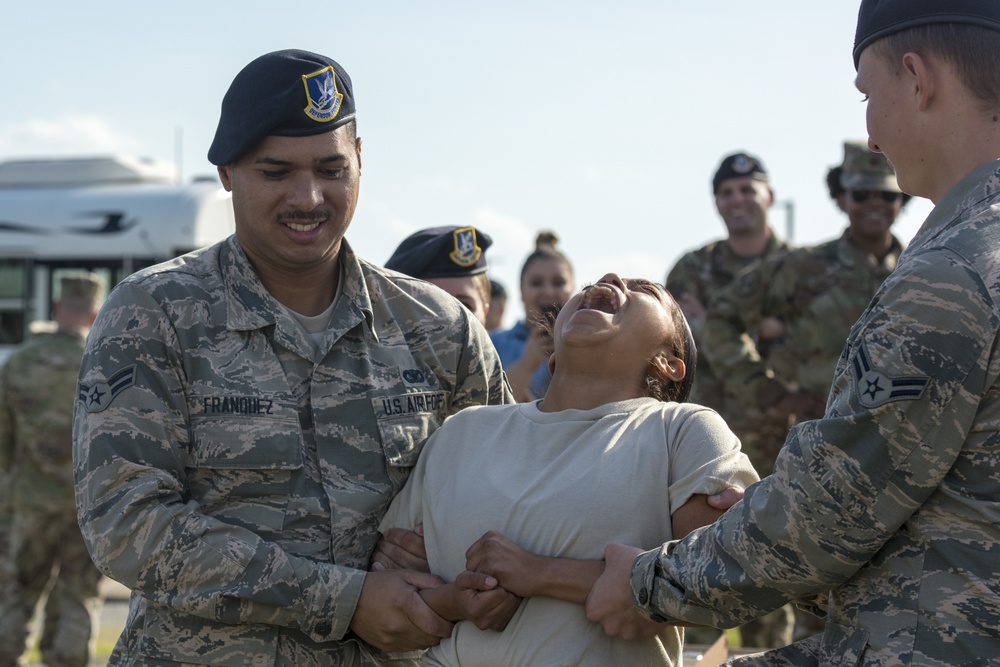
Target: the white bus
pixel 109 215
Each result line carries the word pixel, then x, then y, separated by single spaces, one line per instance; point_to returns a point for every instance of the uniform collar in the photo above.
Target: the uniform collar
pixel 983 183
pixel 250 306
pixel 849 254
pixel 724 254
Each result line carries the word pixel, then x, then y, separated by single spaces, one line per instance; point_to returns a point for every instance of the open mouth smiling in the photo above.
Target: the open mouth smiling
pixel 301 226
pixel 303 223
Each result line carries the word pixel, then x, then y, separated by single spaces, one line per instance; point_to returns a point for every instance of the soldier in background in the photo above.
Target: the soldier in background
pixel 454 259
pixel 743 197
pixel 37 395
pixel 807 300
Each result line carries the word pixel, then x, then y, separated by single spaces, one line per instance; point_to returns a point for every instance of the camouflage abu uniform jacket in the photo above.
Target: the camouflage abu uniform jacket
pixel 234 484
pixel 703 273
pixel 818 293
pixel 890 502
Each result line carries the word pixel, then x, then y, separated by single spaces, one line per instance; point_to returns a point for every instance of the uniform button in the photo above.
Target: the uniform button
pixel 643 596
pixel 324 628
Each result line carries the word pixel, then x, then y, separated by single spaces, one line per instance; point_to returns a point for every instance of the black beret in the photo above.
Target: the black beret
pixel 284 93
pixel 739 165
pixel 878 18
pixel 442 252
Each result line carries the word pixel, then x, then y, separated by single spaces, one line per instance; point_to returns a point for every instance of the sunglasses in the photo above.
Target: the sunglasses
pixel 862 195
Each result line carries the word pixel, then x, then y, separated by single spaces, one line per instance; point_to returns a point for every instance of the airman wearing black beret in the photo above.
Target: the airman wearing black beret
pixel 453 258
pixel 285 93
pixel 276 351
pixel 738 165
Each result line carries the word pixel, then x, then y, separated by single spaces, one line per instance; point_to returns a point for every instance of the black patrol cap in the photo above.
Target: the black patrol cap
pixel 442 252
pixel 878 18
pixel 739 165
pixel 286 93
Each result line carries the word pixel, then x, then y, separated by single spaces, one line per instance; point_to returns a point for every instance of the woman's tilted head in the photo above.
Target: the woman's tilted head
pixel 634 325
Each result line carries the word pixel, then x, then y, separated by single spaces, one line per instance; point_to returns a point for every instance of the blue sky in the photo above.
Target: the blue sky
pixel 601 121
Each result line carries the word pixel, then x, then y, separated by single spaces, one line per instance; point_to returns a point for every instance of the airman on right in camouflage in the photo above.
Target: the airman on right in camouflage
pixel 887 506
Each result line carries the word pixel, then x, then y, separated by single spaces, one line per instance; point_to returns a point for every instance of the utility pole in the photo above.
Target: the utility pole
pixel 789 206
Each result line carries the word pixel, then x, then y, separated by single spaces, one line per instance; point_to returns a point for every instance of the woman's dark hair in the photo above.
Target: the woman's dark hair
pixel 833 182
pixel 545 248
pixel 663 388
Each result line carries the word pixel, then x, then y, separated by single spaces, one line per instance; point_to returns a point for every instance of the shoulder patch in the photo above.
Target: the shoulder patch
pixel 875 387
pixel 97 397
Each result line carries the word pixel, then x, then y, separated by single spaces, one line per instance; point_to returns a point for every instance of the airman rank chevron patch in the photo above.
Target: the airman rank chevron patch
pixel 876 387
pixel 97 397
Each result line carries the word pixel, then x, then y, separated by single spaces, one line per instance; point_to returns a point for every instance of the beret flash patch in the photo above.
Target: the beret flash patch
pixel 321 91
pixel 467 251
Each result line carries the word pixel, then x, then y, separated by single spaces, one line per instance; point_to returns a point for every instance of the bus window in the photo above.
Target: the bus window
pixel 13 300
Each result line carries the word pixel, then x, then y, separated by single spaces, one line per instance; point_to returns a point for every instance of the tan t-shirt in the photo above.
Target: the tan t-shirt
pixel 562 484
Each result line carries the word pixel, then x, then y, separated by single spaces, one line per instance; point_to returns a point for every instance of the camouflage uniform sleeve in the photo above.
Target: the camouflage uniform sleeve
pixel 480 379
pixel 728 340
pixel 680 278
pixel 134 503
pixel 902 408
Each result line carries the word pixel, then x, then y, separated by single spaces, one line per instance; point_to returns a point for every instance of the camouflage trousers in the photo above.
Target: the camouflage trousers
pixel 47 554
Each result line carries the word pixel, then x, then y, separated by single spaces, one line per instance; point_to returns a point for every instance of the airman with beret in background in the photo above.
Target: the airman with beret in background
pixel 885 509
pixel 454 259
pixel 47 551
pixel 246 412
pixel 743 197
